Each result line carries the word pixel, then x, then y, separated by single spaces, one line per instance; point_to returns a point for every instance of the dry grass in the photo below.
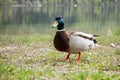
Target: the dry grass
pixel 37 59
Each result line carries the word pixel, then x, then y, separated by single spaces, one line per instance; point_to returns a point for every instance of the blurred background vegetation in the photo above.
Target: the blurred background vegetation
pixel 29 16
pixel 32 2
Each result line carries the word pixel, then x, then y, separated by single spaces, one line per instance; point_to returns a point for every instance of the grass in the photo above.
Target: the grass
pixel 33 57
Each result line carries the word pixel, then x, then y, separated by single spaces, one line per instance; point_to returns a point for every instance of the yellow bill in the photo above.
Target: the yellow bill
pixel 55 24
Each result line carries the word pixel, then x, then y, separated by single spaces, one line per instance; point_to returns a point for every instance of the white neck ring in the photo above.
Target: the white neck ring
pixel 61 30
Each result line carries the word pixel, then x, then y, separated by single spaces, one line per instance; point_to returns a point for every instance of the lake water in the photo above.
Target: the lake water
pixel 96 19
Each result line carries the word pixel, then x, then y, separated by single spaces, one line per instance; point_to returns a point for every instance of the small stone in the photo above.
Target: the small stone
pixel 112 45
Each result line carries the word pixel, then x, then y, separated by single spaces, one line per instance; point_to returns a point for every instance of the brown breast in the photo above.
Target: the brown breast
pixel 61 41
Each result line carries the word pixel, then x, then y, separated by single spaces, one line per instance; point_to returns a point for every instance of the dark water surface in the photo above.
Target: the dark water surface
pixel 22 20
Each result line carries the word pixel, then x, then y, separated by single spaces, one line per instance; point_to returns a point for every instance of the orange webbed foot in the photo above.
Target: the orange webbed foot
pixel 79 57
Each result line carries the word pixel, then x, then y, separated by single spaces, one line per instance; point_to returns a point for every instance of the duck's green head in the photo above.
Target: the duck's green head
pixel 59 23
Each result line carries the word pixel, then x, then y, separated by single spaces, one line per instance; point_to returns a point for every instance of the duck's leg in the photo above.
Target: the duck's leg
pixel 68 57
pixel 79 57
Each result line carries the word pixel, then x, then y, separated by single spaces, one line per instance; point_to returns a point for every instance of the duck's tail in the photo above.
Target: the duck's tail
pixel 95 41
pixel 96 35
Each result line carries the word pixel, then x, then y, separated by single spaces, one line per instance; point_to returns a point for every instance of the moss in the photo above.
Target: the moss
pixel 117 51
pixel 117 32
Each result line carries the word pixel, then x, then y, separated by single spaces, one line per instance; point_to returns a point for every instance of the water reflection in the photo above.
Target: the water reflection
pixel 98 19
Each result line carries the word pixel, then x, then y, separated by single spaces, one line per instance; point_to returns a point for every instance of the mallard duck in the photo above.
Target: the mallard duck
pixel 71 42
